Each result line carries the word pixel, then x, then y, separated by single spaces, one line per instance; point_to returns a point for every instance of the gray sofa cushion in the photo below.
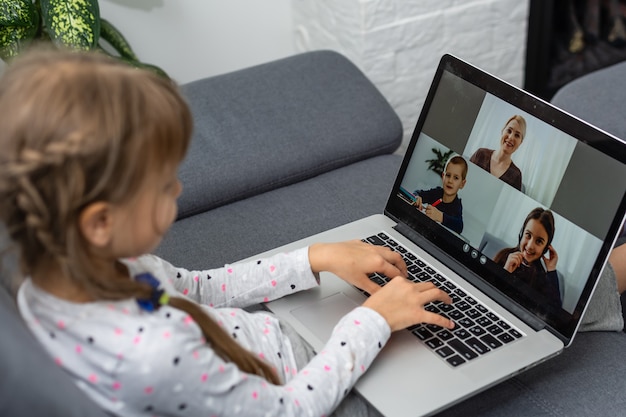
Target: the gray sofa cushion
pixel 244 228
pixel 597 98
pixel 32 384
pixel 252 135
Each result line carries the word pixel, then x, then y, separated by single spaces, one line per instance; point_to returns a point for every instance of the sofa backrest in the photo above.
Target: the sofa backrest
pixel 31 383
pixel 280 141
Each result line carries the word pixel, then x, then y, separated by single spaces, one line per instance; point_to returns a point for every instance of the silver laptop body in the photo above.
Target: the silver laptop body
pixel 564 158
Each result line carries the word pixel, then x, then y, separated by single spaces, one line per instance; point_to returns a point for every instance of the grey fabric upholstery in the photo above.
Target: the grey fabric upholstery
pixel 597 98
pixel 279 123
pixel 262 222
pixel 32 384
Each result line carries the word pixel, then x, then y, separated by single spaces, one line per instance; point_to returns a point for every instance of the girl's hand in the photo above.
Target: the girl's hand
pixel 513 261
pixel 551 259
pixel 354 260
pixel 401 303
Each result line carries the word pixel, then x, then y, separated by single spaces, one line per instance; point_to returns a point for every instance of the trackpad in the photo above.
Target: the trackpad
pixel 321 317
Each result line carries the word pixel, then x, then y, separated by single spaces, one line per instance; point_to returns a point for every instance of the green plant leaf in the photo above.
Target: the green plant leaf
pixel 13 39
pixel 143 65
pixel 17 13
pixel 73 23
pixel 438 164
pixel 109 33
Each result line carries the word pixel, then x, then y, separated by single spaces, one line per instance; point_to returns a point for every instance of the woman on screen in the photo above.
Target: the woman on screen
pixel 499 162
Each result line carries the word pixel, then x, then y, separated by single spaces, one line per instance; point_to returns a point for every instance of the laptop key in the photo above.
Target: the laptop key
pixel 504 324
pixel 445 335
pixel 477 331
pixel 465 351
pixel 375 240
pixel 492 316
pixel 432 308
pixel 422 333
pixel 378 280
pixel 473 313
pixel 434 343
pixel 455 314
pixel 491 341
pixel 465 322
pixel 481 308
pixel 506 338
pixel 445 307
pixel 484 321
pixel 411 256
pixel 445 351
pixel 477 345
pixel 414 269
pixel 461 333
pixel 462 305
pixel 494 329
pixel 455 360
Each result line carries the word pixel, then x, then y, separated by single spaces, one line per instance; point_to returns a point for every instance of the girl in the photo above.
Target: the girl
pixel 88 186
pixel 525 260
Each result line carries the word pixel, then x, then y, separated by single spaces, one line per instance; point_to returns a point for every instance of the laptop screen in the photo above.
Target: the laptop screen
pixel 526 197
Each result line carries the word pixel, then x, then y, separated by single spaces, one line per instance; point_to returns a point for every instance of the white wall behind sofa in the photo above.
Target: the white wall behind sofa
pixel 192 39
pixel 397 43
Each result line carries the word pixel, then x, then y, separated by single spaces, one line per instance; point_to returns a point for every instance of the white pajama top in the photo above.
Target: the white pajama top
pixel 139 363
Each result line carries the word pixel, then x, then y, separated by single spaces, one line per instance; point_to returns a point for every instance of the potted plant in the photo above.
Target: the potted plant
pixel 75 24
pixel 438 163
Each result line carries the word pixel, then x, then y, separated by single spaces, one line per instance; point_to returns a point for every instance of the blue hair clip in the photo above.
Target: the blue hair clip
pixel 158 297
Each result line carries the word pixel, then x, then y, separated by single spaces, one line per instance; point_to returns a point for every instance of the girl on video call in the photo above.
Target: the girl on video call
pixel 524 261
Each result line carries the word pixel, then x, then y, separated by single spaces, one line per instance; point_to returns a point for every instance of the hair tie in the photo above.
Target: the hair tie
pixel 158 297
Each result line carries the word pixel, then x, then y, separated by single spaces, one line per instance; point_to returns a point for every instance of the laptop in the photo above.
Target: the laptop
pixel 504 324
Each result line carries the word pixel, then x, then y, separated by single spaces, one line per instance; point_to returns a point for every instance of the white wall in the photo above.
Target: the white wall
pixel 398 43
pixel 192 39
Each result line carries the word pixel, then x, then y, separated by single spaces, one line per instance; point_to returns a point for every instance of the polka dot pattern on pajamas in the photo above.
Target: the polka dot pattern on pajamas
pixel 139 363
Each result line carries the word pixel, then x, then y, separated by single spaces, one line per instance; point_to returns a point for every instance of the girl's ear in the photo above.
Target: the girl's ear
pixel 95 222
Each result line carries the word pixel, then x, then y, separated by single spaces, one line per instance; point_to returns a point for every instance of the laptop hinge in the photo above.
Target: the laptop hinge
pixel 506 302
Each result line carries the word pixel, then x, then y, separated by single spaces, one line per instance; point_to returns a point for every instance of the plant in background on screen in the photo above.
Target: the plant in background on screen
pixel 438 163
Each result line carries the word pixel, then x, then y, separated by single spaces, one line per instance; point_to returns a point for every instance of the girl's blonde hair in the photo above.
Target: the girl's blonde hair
pixel 77 128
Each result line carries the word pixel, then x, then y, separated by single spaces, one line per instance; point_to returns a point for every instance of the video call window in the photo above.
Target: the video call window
pixel 519 191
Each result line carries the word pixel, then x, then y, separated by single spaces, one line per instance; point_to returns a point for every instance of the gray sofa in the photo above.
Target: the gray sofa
pixel 282 151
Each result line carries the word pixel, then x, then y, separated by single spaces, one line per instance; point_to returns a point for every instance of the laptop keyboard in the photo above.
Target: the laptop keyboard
pixel 478 330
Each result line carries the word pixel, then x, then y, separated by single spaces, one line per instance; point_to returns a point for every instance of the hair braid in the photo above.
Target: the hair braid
pixel 59 155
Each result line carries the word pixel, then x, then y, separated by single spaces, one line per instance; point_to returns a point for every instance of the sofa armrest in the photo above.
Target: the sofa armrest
pixel 275 124
pixel 597 98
